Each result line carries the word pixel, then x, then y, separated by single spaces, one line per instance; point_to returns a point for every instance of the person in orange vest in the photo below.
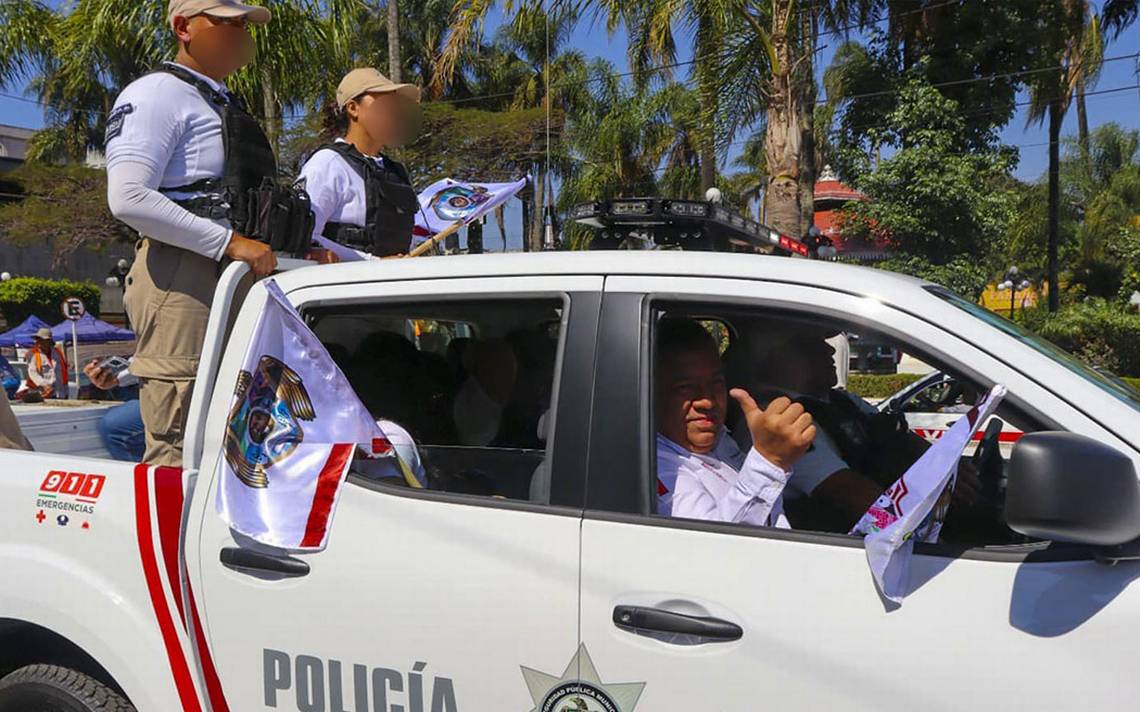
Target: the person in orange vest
pixel 42 362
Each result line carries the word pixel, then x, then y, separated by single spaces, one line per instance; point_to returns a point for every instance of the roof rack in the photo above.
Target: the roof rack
pixel 665 223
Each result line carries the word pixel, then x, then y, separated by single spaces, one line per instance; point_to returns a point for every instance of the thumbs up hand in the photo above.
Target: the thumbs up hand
pixel 782 432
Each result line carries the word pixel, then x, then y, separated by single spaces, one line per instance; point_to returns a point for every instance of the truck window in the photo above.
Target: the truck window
pixel 877 403
pixel 472 383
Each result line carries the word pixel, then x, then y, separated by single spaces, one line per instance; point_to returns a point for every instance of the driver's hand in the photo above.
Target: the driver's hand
pixel 782 432
pixel 968 490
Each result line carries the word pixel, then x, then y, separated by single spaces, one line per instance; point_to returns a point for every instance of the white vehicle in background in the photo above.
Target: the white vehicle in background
pixel 935 402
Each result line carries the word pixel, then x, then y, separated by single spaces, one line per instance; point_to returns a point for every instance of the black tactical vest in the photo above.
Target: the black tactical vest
pixel 248 193
pixel 390 205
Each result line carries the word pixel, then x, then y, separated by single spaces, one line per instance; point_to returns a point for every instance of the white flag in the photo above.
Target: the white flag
pixel 914 507
pixel 448 201
pixel 294 425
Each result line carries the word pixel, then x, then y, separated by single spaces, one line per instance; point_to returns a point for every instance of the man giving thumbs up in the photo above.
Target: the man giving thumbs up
pixel 701 472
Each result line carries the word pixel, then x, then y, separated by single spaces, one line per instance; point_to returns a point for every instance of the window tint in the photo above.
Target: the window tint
pixel 465 387
pixel 876 403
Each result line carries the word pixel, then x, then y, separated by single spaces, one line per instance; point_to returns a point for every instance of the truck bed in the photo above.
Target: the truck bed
pixel 65 427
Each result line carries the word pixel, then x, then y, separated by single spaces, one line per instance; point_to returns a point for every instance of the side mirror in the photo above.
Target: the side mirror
pixel 1067 487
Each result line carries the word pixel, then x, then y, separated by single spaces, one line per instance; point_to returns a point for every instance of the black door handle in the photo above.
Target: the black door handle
pixel 240 559
pixel 694 629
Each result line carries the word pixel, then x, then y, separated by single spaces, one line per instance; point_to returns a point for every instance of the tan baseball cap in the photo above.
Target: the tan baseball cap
pixel 44 333
pixel 367 80
pixel 218 8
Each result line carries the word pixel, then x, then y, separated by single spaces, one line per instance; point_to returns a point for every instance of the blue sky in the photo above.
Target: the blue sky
pixel 591 38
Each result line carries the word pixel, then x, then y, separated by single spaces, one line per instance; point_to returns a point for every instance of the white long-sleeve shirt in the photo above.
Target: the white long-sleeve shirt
pixel 338 195
pixel 724 485
pixel 163 134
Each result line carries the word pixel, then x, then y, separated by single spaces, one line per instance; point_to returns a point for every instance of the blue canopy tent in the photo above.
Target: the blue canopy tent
pixel 90 330
pixel 22 334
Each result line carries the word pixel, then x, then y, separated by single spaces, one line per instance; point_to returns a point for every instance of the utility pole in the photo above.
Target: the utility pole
pixel 394 41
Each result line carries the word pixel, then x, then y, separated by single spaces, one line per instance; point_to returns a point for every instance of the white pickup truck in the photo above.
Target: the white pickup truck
pixel 533 572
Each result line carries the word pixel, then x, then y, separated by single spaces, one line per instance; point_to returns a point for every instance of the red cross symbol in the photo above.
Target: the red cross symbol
pixel 41 517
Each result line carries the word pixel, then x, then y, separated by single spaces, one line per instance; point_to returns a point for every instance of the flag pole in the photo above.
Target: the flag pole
pixel 74 359
pixel 436 239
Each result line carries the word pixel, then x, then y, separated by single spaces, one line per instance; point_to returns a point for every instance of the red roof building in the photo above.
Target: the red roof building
pixel 830 197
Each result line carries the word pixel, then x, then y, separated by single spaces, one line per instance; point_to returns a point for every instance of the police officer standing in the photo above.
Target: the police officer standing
pixel 363 201
pixel 183 160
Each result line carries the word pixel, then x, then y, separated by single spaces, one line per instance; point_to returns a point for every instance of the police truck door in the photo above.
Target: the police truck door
pixel 424 600
pixel 715 616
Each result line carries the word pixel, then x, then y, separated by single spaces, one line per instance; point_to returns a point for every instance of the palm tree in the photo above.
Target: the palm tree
pixel 652 45
pixel 527 67
pixel 768 70
pixel 744 190
pixel 394 41
pixel 77 60
pixel 1072 46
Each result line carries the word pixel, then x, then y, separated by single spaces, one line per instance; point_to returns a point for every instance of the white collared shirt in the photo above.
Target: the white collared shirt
pixel 724 485
pixel 162 133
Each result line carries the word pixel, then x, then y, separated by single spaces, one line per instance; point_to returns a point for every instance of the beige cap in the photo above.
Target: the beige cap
pixel 44 333
pixel 367 80
pixel 218 8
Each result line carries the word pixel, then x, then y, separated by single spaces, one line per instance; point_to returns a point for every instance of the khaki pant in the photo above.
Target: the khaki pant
pixel 168 298
pixel 11 437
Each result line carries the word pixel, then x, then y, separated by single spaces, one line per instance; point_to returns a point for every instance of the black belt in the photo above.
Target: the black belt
pixel 353 236
pixel 212 207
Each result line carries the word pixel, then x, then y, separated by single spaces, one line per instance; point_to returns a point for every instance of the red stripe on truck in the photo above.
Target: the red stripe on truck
pixel 168 501
pixel 179 668
pixel 213 684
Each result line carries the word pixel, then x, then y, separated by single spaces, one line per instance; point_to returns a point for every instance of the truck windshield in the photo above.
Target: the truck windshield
pixel 1107 382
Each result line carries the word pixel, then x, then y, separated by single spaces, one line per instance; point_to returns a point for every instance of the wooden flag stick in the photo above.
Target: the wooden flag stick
pixel 436 239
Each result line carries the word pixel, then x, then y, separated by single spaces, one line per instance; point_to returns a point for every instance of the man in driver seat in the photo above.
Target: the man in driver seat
pixel 701 473
pixel 858 451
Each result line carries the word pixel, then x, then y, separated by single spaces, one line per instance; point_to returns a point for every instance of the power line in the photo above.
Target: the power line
pixel 971 80
pixel 994 108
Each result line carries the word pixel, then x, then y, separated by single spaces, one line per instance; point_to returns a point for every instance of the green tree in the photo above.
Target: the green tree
pixel 76 59
pixel 65 206
pixel 928 199
pixel 1071 45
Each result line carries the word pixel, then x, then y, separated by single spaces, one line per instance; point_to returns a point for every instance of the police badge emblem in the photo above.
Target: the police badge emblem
pixel 457 202
pixel 264 424
pixel 580 689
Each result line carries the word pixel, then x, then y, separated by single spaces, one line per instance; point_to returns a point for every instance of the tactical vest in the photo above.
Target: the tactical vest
pixel 248 193
pixel 390 205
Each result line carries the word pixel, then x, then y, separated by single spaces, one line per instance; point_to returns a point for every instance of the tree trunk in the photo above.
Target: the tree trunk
pixel 782 139
pixel 501 219
pixel 394 41
pixel 535 229
pixel 1083 128
pixel 1055 118
pixel 707 91
pixel 805 78
pixel 526 205
pixel 272 121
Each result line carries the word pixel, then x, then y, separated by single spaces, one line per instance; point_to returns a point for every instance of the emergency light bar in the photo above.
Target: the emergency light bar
pixel 685 224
